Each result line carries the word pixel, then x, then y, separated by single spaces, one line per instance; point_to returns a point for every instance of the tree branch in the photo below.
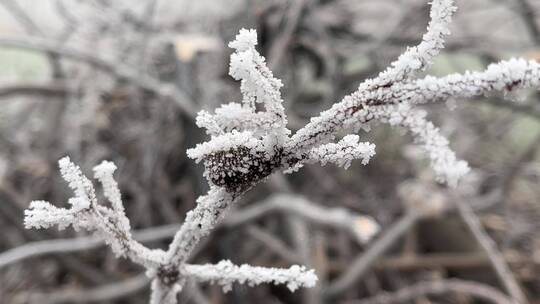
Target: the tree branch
pixel 117 70
pixel 366 259
pixel 497 261
pixel 418 290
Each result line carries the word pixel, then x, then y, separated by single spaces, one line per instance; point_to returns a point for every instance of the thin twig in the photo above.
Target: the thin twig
pixel 101 294
pixel 529 18
pixel 336 217
pixel 448 260
pixel 22 17
pixel 282 41
pixel 77 244
pixel 274 244
pixel 118 70
pixel 515 167
pixel 366 259
pixel 497 261
pixel 530 110
pixel 410 293
pixel 361 228
pixel 54 89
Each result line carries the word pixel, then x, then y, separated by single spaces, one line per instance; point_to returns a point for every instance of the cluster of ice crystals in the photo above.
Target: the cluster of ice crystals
pixel 237 127
pixel 246 40
pixel 343 152
pixel 41 214
pixel 226 273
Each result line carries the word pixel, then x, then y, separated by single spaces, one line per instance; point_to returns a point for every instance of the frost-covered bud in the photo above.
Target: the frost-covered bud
pixel 240 168
pixel 236 160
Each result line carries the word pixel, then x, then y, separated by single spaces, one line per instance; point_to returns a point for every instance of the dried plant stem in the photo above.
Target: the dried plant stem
pixel 118 70
pixel 365 260
pixel 410 293
pixel 101 294
pixel 495 257
pixel 38 248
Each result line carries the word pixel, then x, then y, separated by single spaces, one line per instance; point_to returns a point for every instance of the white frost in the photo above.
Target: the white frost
pixel 226 273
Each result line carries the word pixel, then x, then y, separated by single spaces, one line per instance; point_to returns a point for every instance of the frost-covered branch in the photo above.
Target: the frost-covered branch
pixel 362 227
pixel 85 213
pixel 167 268
pixel 249 140
pixel 505 76
pixel 447 167
pixel 226 273
pixel 420 57
pixel 355 111
pixel 198 224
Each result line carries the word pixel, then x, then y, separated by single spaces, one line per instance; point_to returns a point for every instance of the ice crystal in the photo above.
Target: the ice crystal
pixel 343 152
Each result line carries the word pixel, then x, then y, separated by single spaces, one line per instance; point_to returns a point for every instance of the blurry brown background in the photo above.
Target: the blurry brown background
pixel 52 106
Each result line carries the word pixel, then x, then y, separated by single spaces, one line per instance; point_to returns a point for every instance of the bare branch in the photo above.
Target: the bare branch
pixel 442 287
pixel 55 89
pixel 361 227
pixel 101 294
pixel 366 259
pixel 39 248
pixel 118 70
pixel 498 262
